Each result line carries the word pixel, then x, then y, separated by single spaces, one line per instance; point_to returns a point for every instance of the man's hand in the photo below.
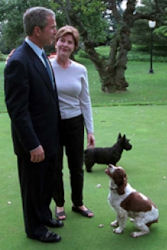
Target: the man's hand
pixel 37 154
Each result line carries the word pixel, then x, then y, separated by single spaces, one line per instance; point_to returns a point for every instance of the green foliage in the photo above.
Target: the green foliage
pixel 2 57
pixel 82 54
pixel 141 32
pixel 90 14
pixel 162 32
pixel 11 13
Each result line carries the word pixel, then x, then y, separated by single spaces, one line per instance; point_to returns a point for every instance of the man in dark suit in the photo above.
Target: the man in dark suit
pixel 32 103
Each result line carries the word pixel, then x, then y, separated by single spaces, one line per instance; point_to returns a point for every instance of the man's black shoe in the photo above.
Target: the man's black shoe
pixel 47 237
pixel 54 223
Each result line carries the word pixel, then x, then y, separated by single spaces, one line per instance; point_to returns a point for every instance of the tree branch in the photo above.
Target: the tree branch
pixel 113 7
pixel 65 8
pixel 150 16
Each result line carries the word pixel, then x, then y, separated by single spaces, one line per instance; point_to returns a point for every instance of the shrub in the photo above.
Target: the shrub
pixel 2 57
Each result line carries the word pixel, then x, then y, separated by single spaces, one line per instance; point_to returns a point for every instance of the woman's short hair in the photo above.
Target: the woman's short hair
pixel 36 16
pixel 67 29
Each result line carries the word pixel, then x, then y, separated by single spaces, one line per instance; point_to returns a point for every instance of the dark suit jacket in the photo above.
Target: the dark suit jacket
pixel 31 102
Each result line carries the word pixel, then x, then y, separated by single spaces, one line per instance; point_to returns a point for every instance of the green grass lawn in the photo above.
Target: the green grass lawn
pixel 128 112
pixel 146 168
pixel 144 88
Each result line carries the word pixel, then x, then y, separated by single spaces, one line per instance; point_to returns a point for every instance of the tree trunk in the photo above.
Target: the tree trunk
pixel 112 70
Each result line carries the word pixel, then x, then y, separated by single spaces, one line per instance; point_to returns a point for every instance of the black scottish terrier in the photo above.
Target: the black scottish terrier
pixel 109 155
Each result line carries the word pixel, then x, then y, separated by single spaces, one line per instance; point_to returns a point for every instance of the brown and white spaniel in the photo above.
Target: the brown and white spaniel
pixel 127 202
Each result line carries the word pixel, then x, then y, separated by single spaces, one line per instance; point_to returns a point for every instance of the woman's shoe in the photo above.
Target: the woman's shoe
pixel 60 215
pixel 87 213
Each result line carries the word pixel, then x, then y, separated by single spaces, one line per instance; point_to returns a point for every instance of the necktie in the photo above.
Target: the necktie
pixel 48 69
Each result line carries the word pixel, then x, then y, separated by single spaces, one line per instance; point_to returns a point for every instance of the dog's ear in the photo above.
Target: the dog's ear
pixel 119 136
pixel 120 179
pixel 124 137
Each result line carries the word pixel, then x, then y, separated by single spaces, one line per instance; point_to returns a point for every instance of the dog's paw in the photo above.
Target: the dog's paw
pixel 118 230
pixel 134 235
pixel 137 234
pixel 114 223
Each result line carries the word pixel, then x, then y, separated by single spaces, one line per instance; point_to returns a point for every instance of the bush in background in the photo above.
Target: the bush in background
pixel 2 57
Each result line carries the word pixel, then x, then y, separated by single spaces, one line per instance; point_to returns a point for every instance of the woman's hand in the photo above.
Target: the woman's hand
pixel 10 54
pixel 90 140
